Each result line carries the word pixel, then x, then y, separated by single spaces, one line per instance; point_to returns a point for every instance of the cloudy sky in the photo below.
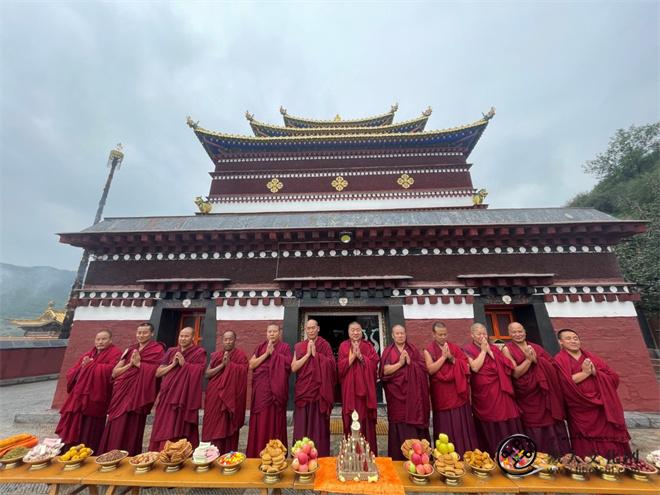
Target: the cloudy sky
pixel 76 78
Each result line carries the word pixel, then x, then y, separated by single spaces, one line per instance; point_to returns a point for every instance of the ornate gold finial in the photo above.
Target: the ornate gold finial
pixel 427 112
pixel 205 207
pixel 116 156
pixel 192 124
pixel 490 114
pixel 478 198
pixel 249 116
pixel 339 183
pixel 282 110
pixel 274 185
pixel 337 118
pixel 405 181
pixel 394 108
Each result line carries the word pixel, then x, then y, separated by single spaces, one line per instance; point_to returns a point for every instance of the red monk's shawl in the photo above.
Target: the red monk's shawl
pixel 316 378
pixel 538 391
pixel 180 393
pixel 359 379
pixel 450 386
pixel 270 380
pixel 89 389
pixel 492 390
pixel 135 389
pixel 225 396
pixel 593 396
pixel 407 389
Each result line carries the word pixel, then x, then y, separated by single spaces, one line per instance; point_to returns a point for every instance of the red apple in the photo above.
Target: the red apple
pixel 302 458
pixel 406 465
pixel 303 468
pixel 429 468
pixel 307 448
pixel 417 447
pixel 425 458
pixel 313 454
pixel 416 459
pixel 420 469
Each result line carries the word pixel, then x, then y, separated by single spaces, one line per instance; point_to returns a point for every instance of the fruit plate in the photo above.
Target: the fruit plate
pixel 420 479
pixel 272 478
pixel 451 479
pixel 642 475
pixel 72 464
pixel 12 462
pixel 307 476
pixel 111 465
pixel 172 467
pixel 481 472
pixel 407 446
pixel 38 464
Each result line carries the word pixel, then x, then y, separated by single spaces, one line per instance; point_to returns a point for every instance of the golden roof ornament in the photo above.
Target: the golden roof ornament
pixel 427 112
pixel 490 114
pixel 116 156
pixel 282 110
pixel 479 197
pixel 394 108
pixel 192 124
pixel 249 116
pixel 204 206
pixel 337 118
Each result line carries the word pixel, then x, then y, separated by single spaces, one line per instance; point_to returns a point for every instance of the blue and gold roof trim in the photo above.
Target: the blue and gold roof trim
pixel 375 121
pixel 262 129
pixel 461 139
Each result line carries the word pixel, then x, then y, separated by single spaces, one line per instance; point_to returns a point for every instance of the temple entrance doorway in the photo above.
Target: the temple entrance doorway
pixel 334 328
pixel 498 318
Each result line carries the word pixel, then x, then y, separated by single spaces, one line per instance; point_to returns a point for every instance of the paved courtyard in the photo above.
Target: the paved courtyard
pixel 26 408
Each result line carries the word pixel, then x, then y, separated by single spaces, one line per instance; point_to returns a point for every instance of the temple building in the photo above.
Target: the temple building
pixel 48 324
pixel 370 220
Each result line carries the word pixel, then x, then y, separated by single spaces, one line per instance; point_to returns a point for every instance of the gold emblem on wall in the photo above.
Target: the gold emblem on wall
pixel 339 183
pixel 274 185
pixel 405 181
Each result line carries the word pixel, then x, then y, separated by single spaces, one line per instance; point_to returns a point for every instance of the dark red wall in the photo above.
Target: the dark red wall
pixel 30 362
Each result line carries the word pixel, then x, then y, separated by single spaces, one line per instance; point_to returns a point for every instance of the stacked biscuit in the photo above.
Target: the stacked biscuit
pixel 175 451
pixel 449 465
pixel 273 457
pixel 479 459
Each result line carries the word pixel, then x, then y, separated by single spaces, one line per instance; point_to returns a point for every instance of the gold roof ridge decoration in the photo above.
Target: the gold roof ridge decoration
pixel 484 120
pixel 49 315
pixel 285 113
pixel 382 129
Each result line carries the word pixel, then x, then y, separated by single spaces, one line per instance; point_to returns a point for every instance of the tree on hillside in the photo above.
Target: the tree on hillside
pixel 629 187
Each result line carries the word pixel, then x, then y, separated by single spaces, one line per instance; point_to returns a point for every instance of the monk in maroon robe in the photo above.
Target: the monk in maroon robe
pixel 406 383
pixel 134 391
pixel 493 400
pixel 358 372
pixel 271 367
pixel 449 372
pixel 594 411
pixel 538 392
pixel 180 397
pixel 316 370
pixel 88 384
pixel 224 407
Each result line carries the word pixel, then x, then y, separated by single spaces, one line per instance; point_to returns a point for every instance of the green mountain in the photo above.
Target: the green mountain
pixel 25 291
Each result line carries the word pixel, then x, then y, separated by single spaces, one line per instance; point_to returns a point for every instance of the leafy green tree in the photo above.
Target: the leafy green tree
pixel 629 187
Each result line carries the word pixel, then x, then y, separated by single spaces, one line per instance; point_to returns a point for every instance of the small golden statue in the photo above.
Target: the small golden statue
pixel 478 198
pixel 205 207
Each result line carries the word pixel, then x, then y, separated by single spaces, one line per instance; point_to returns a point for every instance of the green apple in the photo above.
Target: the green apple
pixel 412 468
pixel 450 447
pixel 437 444
pixel 443 438
pixel 443 448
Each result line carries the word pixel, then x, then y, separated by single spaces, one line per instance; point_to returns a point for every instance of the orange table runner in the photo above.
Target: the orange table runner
pixel 388 481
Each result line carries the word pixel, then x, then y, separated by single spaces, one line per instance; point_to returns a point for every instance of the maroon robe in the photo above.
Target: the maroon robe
pixel 83 413
pixel 358 389
pixel 270 394
pixel 315 395
pixel 179 400
pixel 224 407
pixel 540 400
pixel 407 394
pixel 595 414
pixel 450 399
pixel 133 395
pixel 493 401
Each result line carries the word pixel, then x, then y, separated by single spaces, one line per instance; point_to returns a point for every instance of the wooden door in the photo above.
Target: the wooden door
pixel 194 320
pixel 498 320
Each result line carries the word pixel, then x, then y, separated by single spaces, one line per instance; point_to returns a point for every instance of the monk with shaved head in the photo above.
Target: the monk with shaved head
pixel 88 384
pixel 224 407
pixel 406 383
pixel 180 397
pixel 495 410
